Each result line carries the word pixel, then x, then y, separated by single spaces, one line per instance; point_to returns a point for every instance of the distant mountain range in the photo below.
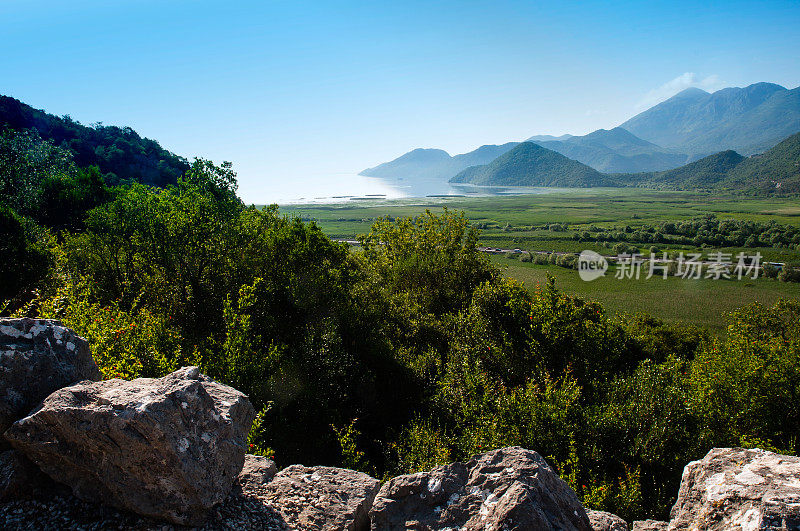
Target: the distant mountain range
pixel 426 164
pixel 615 151
pixel 547 138
pixel 776 171
pixel 671 135
pixel 748 120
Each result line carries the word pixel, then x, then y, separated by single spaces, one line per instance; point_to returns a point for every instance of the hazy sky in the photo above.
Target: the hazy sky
pixel 287 90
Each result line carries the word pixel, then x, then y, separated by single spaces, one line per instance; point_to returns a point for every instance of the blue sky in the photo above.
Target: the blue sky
pixel 288 90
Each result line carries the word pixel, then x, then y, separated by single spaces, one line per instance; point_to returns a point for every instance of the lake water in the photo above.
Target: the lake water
pixel 346 187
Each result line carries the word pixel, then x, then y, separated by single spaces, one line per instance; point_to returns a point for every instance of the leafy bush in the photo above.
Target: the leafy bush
pixel 746 385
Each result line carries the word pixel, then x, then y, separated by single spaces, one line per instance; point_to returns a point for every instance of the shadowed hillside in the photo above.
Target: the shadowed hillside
pixel 530 164
pixel 119 152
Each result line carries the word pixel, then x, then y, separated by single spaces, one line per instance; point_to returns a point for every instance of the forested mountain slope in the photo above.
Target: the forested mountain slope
pixel 119 152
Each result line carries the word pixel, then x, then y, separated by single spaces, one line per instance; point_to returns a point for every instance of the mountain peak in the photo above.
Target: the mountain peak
pixel 691 92
pixel 430 152
pixel 763 85
pixel 530 164
pixel 744 119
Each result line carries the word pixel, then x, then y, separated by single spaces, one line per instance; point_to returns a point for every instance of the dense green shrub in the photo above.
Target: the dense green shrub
pixel 747 385
pixel 25 256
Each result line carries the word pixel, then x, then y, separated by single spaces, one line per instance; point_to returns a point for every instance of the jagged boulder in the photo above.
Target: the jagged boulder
pixel 604 521
pixel 256 471
pixel 38 357
pixel 169 448
pixel 735 488
pixel 511 488
pixel 319 498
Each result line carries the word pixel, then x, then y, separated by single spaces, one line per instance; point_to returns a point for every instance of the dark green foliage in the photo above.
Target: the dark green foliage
pixel 777 171
pixel 432 257
pixel 24 255
pixel 529 164
pixel 302 338
pixel 706 230
pixel 746 386
pixel 65 199
pixel 642 424
pixel 41 181
pixel 707 172
pixel 119 152
pixel 426 269
pixel 26 161
pixel 658 340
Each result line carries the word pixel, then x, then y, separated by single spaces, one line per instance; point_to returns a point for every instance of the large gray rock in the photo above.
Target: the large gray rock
pixel 603 521
pixel 38 357
pixel 319 498
pixel 734 488
pixel 511 488
pixel 168 448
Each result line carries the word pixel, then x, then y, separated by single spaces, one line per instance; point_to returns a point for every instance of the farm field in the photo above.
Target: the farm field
pixel 574 206
pixel 505 222
pixel 702 302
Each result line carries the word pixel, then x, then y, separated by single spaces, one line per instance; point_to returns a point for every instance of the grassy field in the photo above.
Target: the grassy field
pixel 506 222
pixel 702 302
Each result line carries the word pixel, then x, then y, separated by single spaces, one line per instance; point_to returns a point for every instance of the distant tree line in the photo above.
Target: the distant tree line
pixel 707 230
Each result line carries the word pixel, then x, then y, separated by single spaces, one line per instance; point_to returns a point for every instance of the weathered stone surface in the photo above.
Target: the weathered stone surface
pixel 649 525
pixel 734 488
pixel 256 472
pixel 511 488
pixel 38 357
pixel 168 448
pixel 603 521
pixel 319 498
pixel 19 478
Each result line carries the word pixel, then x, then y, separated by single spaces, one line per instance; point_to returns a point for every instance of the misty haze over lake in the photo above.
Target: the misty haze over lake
pixel 347 187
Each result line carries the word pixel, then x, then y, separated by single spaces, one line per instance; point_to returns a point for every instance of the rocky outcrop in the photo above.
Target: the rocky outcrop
pixel 168 448
pixel 734 488
pixel 38 357
pixel 318 498
pixel 510 488
pixel 603 521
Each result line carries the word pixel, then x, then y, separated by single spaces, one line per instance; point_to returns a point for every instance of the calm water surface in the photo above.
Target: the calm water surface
pixel 346 187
